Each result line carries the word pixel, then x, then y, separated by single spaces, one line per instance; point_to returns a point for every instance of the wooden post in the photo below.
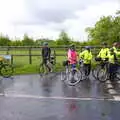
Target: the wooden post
pixel 30 56
pixel 55 56
pixel 8 51
pixel 11 59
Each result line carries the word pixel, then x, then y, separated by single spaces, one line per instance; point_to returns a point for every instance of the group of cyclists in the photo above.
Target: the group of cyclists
pixel 111 55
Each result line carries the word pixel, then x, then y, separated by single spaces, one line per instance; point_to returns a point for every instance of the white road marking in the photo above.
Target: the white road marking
pixel 116 98
pixel 118 82
pixel 112 91
pixel 109 86
pixel 1 94
pixel 54 97
pixel 108 82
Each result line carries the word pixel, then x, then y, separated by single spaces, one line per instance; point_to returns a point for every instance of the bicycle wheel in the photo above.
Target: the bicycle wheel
pixel 74 78
pixel 117 75
pixel 95 72
pixel 7 70
pixel 102 74
pixel 64 75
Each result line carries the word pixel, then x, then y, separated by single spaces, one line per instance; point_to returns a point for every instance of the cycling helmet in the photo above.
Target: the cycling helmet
pixel 72 46
pixel 87 47
pixel 111 50
pixel 104 43
pixel 115 44
pixel 45 43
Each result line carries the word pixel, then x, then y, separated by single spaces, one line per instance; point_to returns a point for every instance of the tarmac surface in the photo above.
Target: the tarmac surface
pixel 29 97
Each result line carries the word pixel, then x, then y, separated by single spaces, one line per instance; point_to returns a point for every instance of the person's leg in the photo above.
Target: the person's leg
pixel 49 66
pixel 73 68
pixel 85 69
pixel 111 71
pixel 114 70
pixel 88 69
pixel 45 65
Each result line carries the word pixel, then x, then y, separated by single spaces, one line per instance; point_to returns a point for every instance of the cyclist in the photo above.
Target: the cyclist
pixel 115 47
pixel 72 56
pixel 103 54
pixel 86 56
pixel 46 53
pixel 112 58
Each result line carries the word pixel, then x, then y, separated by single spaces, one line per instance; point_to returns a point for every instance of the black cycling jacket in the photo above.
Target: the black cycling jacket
pixel 46 51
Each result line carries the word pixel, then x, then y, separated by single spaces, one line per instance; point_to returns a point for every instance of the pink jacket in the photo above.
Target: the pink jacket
pixel 72 56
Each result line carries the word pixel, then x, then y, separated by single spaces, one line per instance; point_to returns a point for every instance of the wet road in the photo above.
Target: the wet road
pixel 28 97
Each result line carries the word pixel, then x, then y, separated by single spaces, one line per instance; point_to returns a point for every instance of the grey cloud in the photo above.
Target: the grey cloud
pixel 55 11
pixel 56 16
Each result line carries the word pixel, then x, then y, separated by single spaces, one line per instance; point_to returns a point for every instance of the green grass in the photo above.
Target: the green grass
pixel 22 66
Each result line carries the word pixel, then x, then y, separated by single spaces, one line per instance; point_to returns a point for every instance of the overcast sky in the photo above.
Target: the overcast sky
pixel 46 18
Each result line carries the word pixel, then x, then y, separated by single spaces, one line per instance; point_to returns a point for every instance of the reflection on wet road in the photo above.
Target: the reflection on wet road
pixel 28 97
pixel 52 86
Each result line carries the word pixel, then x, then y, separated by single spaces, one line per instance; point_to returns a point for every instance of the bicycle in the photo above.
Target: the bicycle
pixel 71 76
pixel 6 70
pixel 43 69
pixel 101 71
pixel 115 74
pixel 83 70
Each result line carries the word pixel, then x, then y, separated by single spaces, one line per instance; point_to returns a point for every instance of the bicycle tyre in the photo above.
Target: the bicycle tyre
pixel 78 76
pixel 64 74
pixel 102 75
pixel 117 75
pixel 94 73
pixel 7 70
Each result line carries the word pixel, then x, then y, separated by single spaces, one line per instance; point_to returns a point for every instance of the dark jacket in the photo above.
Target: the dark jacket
pixel 46 51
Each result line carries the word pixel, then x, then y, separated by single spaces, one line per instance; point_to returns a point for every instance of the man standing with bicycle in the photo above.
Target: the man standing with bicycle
pixel 46 53
pixel 86 56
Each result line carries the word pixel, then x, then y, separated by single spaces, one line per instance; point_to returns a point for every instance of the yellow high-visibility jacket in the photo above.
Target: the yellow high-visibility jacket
pixel 111 58
pixel 103 53
pixel 86 56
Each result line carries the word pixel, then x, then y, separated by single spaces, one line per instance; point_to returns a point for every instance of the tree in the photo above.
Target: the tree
pixel 4 40
pixel 63 39
pixel 27 41
pixel 106 29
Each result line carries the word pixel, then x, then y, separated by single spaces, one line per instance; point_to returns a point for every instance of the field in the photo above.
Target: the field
pixel 21 63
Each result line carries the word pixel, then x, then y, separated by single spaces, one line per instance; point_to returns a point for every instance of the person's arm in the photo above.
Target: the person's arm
pixel 81 55
pixel 91 56
pixel 42 53
pixel 49 53
pixel 99 54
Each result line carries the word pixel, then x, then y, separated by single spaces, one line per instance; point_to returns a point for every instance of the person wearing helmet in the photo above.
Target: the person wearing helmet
pixel 112 67
pixel 72 56
pixel 115 47
pixel 103 52
pixel 46 53
pixel 86 56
